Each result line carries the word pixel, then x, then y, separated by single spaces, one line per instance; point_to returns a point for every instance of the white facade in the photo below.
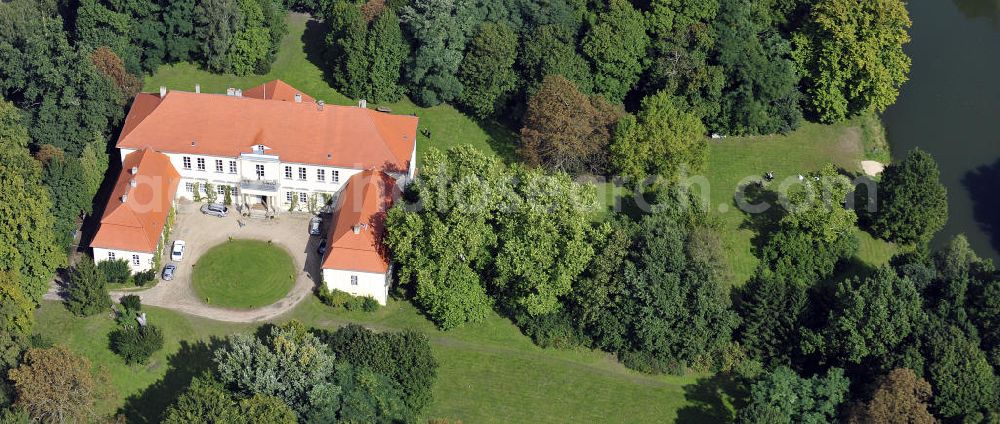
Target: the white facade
pixel 263 178
pixel 358 283
pixel 137 261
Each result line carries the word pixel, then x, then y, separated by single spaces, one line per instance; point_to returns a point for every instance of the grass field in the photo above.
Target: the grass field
pixel 243 274
pixel 489 373
pixel 299 63
pixel 734 160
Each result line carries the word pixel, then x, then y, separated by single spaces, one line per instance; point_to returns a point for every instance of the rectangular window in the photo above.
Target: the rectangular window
pixel 288 197
pixel 235 191
pixel 354 280
pixel 218 165
pixel 221 190
pixel 135 260
pixel 232 167
pixel 260 171
pixel 302 198
pixel 111 256
pixel 187 162
pixel 189 187
pixel 201 164
pixel 302 173
pixel 320 175
pixel 288 172
pixel 335 176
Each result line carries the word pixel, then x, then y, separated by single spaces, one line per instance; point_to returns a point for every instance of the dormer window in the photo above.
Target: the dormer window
pixel 259 148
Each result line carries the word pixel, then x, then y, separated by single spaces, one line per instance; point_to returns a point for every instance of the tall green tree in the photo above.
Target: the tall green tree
pixel 782 396
pixel 872 317
pixel 616 45
pixel 216 24
pixel 965 385
pixel 179 31
pixel 439 30
pixel 815 234
pixel 487 71
pixel 761 94
pixel 405 357
pixel 59 88
pixel 441 247
pixel 771 312
pixel 207 401
pixel 851 52
pixel 70 196
pixel 912 202
pixel 369 397
pixel 286 362
pixel 251 41
pixel 552 50
pixel 28 246
pixel 661 140
pixel 366 58
pixel 87 291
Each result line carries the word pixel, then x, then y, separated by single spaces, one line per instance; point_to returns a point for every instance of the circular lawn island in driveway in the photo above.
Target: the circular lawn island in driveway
pixel 243 274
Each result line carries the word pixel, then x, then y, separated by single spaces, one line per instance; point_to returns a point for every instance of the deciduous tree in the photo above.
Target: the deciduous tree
pixel 55 385
pixel 784 396
pixel 564 130
pixel 912 202
pixel 487 71
pixel 900 396
pixel 852 54
pixel 662 140
pixel 616 45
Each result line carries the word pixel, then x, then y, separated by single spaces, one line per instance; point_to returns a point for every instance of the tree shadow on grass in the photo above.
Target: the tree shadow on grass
pixel 983 184
pixel 191 360
pixel 763 222
pixel 713 400
pixel 314 45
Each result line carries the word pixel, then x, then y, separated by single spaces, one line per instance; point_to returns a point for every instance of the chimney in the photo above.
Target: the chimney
pixel 124 198
pixel 298 97
pixel 363 103
pixel 163 91
pixel 320 104
pixel 131 183
pixel 357 228
pixel 197 88
pixel 239 92
pixel 230 91
pixel 134 170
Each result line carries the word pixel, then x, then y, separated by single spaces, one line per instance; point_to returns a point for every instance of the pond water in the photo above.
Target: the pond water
pixel 951 109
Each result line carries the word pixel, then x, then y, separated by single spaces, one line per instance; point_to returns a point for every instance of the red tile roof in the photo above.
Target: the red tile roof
pixel 135 223
pixel 276 90
pixel 220 125
pixel 362 204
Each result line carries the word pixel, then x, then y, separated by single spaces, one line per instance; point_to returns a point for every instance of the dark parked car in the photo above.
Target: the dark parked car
pixel 215 209
pixel 321 249
pixel 314 225
pixel 168 272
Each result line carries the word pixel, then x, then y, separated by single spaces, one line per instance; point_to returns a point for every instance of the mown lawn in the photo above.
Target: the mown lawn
pixel 736 160
pixel 299 63
pixel 488 372
pixel 243 274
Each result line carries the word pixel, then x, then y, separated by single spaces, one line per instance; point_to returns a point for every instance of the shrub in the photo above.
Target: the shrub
pixel 142 278
pixel 135 344
pixel 551 330
pixel 341 299
pixel 131 302
pixel 369 304
pixel 116 271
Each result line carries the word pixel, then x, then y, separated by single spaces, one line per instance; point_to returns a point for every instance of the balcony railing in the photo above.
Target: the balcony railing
pixel 259 185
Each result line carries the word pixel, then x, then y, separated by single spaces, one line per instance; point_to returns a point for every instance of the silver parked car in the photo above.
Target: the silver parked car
pixel 215 209
pixel 314 225
pixel 168 272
